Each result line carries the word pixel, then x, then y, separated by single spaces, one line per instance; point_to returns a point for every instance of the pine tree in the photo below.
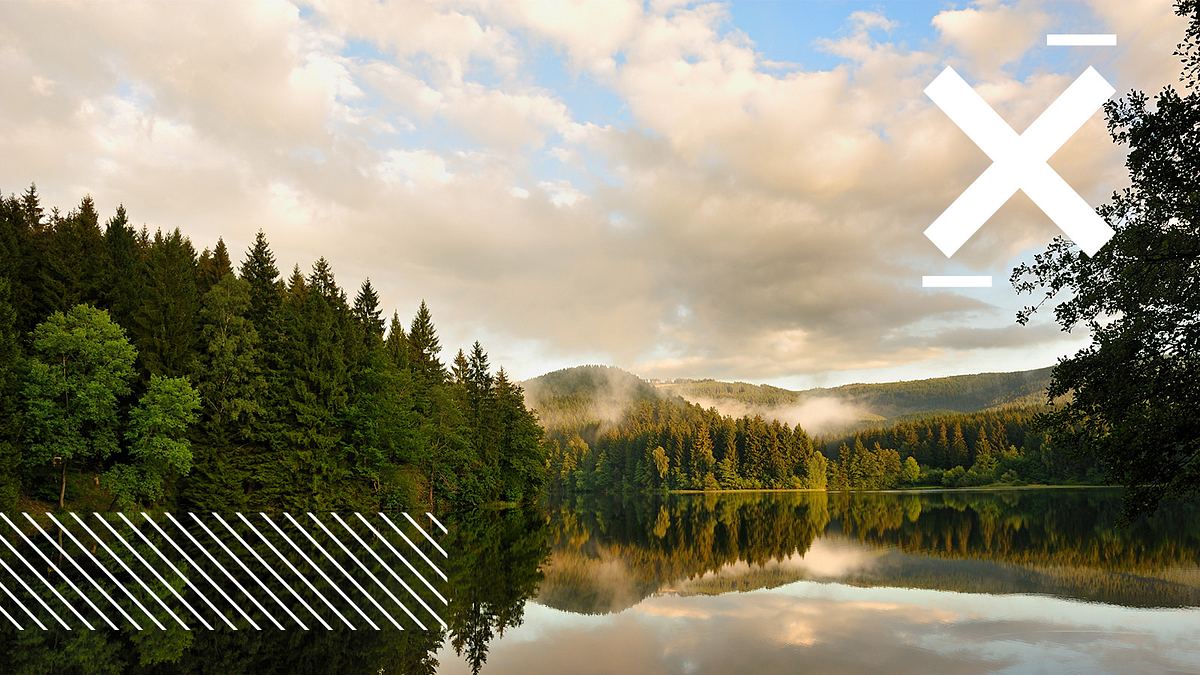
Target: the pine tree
pixel 396 345
pixel 322 282
pixel 232 386
pixel 212 267
pixel 124 272
pixel 943 446
pixel 702 460
pixel 260 272
pixel 423 349
pixel 487 430
pixel 367 312
pixel 166 321
pixel 70 272
pixel 310 388
pixel 460 370
pixel 31 209
pixel 958 447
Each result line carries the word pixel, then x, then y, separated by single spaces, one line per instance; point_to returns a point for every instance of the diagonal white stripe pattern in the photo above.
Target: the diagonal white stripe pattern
pixel 107 573
pixel 63 583
pixel 63 576
pixel 87 576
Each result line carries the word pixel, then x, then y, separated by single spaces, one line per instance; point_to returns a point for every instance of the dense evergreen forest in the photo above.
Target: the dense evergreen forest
pixel 613 432
pixel 671 444
pixel 1003 445
pixel 136 371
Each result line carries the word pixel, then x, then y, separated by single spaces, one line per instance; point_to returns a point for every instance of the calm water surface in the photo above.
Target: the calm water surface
pixel 947 582
pixel 934 582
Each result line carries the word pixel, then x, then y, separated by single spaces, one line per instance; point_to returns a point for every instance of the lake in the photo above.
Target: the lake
pixel 1022 580
pixel 990 581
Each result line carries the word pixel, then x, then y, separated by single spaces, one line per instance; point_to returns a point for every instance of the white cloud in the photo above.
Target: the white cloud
pixel 415 142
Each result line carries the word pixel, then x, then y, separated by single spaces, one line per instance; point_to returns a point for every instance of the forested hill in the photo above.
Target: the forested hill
pixel 135 371
pixel 887 400
pixel 572 397
pixel 586 395
pixel 612 431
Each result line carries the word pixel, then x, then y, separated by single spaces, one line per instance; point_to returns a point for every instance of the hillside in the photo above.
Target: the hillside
pixel 853 405
pixel 586 395
pixel 590 395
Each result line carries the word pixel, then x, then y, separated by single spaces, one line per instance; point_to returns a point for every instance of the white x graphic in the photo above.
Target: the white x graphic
pixel 1019 162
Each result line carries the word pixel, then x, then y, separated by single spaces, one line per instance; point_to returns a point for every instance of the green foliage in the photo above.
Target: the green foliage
pixel 988 443
pixel 301 399
pixel 911 471
pixel 159 450
pixel 667 443
pixel 80 367
pixel 229 378
pixel 1135 390
pixel 165 321
pixel 10 372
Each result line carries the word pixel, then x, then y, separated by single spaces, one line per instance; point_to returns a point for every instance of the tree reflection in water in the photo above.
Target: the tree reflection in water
pixel 606 555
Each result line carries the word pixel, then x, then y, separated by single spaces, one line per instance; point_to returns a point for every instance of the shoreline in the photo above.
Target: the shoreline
pixel 931 488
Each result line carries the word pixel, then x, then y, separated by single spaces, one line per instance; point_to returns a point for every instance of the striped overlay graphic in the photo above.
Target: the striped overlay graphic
pixel 117 571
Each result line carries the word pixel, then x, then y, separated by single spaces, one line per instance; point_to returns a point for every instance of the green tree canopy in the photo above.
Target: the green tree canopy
pixel 81 365
pixel 159 449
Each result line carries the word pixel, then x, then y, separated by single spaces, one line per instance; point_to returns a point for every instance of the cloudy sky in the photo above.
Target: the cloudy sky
pixel 682 189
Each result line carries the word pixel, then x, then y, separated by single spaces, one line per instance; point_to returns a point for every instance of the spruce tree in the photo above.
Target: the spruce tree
pixel 229 376
pixel 124 274
pixel 31 209
pixel 958 448
pixel 396 345
pixel 460 371
pixel 367 312
pixel 260 272
pixel 166 321
pixel 423 349
pixel 310 385
pixel 212 267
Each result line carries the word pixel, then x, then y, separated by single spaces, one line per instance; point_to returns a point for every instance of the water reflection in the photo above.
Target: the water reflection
pixel 610 555
pixel 494 569
pixel 834 628
pixel 930 582
pixel 770 582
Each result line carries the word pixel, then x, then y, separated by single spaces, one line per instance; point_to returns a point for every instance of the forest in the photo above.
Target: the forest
pixel 659 441
pixel 135 371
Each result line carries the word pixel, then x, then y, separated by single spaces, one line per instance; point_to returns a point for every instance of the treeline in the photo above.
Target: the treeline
pixel 665 443
pixel 1001 445
pixel 670 444
pixel 136 371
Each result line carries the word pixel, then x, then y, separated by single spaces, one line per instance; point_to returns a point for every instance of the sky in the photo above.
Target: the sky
pixel 683 189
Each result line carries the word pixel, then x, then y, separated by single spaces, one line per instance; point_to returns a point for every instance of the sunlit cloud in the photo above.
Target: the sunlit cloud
pixel 563 177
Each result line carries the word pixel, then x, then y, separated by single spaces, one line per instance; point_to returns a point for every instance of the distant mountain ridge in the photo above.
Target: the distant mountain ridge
pixel 596 394
pixel 956 393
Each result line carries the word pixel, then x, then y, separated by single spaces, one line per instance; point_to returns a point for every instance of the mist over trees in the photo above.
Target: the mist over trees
pixel 662 442
pixel 135 371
